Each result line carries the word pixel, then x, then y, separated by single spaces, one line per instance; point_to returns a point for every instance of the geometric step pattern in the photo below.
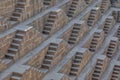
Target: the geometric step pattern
pixel 100 66
pixel 55 20
pixel 115 75
pixel 76 64
pixel 105 4
pixel 93 16
pixel 112 47
pixel 79 29
pixel 48 59
pixel 116 15
pixel 72 8
pixel 76 6
pixel 14 46
pixel 96 41
pixel 80 59
pixel 49 23
pixel 19 9
pixel 118 33
pixel 108 24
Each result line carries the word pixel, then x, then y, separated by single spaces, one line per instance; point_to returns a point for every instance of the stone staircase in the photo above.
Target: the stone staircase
pixel 19 9
pixel 16 76
pixel 97 70
pixel 112 47
pixel 76 64
pixel 105 4
pixel 14 46
pixel 118 33
pixel 115 73
pixel 49 23
pixel 100 65
pixel 74 34
pixel 118 18
pixel 93 16
pixel 109 22
pixel 72 8
pixel 96 41
pixel 12 53
pixel 48 59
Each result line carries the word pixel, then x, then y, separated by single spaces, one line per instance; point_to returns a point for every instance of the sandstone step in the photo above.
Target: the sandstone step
pixel 74 68
pixel 49 57
pixel 45 66
pixel 15 44
pixel 16 40
pixel 46 32
pixel 51 51
pixel 12 49
pixel 75 64
pixel 73 73
pixel 47 61
pixel 9 56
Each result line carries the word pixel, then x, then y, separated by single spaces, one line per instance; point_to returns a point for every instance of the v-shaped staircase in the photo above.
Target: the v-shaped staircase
pixel 76 64
pixel 112 48
pixel 118 17
pixel 18 12
pixel 115 73
pixel 16 76
pixel 49 57
pixel 109 22
pixel 104 5
pixel 97 70
pixel 94 42
pixel 49 23
pixel 74 34
pixel 14 46
pixel 118 33
pixel 72 8
pixel 92 18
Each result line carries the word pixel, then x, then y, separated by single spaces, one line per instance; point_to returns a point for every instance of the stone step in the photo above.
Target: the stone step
pixel 75 64
pixel 71 42
pixel 49 57
pixel 12 49
pixel 51 51
pixel 45 66
pixel 9 56
pixel 74 68
pixel 77 60
pixel 47 61
pixel 16 40
pixel 18 34
pixel 73 73
pixel 15 44
pixel 52 47
pixel 46 31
